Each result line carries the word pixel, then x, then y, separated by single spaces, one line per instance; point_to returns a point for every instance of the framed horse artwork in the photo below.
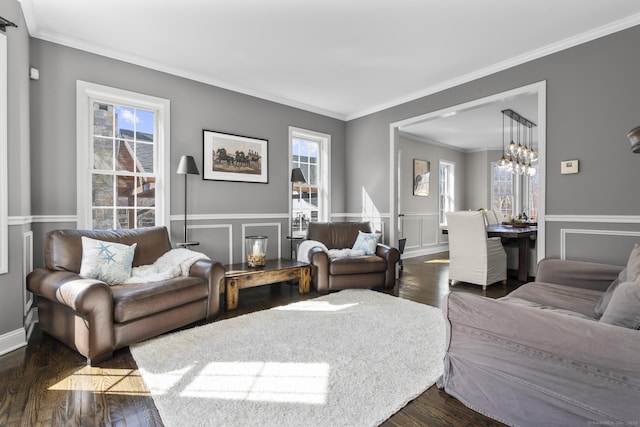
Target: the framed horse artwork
pixel 228 157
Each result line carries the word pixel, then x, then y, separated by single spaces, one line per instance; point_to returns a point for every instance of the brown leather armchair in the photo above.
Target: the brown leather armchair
pixel 96 319
pixel 368 271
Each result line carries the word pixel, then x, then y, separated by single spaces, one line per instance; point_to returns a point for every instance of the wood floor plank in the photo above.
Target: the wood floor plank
pixel 46 383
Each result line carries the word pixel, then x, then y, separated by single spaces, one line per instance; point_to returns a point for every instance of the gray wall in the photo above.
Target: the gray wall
pixel 593 100
pixel 194 106
pixel 12 300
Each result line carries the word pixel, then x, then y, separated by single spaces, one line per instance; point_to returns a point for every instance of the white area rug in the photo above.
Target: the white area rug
pixel 351 358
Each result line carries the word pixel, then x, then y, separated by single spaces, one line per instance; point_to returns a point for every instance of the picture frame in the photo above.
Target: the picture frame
pixel 421 170
pixel 229 157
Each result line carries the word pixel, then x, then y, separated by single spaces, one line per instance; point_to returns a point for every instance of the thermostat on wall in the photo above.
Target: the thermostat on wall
pixel 569 166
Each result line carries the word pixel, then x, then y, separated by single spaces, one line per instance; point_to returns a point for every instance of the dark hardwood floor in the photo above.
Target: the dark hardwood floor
pixel 46 383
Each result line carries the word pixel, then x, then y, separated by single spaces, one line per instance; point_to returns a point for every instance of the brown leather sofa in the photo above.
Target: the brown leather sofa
pixel 94 318
pixel 369 271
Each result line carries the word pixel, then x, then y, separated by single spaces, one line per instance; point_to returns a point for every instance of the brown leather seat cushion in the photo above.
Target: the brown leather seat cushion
pixel 358 265
pixel 136 300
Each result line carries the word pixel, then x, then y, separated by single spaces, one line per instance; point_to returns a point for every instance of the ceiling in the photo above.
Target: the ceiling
pixel 479 128
pixel 340 58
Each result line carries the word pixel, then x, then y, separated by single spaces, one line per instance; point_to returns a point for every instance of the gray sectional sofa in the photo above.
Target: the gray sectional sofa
pixel 543 355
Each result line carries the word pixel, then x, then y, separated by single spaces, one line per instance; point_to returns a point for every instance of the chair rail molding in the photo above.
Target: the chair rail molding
pixel 610 219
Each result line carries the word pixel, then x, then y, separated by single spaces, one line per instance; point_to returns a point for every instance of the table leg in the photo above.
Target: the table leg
pixel 523 258
pixel 232 294
pixel 304 285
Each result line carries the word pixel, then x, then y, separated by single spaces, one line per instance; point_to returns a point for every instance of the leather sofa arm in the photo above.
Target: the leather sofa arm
pixel 214 272
pixel 91 299
pixel 580 274
pixel 320 260
pixel 391 256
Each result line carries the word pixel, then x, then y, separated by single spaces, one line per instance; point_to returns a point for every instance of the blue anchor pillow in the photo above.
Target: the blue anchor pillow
pixel 366 242
pixel 106 261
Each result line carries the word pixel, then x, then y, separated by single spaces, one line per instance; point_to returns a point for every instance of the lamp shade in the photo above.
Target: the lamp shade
pixel 634 139
pixel 187 166
pixel 297 176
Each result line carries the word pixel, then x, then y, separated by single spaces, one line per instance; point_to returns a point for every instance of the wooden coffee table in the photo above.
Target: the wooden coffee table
pixel 241 276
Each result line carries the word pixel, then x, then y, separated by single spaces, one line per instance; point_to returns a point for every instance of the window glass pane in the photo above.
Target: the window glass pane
pixel 102 119
pixel 146 192
pixel 125 155
pixel 102 219
pixel 102 186
pixel 103 154
pixel 125 122
pixel 125 218
pixel 145 126
pixel 126 195
pixel 146 218
pixel 144 154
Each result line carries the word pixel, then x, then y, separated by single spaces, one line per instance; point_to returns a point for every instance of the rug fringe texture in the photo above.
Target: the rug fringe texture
pixel 351 358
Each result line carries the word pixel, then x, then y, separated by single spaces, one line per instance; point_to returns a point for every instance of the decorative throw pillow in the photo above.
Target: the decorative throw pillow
pixel 629 274
pixel 107 261
pixel 366 242
pixel 624 307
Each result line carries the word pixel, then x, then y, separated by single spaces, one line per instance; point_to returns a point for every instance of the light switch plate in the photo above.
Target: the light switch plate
pixel 569 166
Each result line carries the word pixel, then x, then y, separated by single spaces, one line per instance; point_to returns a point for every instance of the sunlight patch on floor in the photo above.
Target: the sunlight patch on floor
pixel 262 381
pixel 103 380
pixel 437 261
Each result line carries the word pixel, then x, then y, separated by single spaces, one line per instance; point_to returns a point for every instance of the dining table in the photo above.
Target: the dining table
pixel 521 234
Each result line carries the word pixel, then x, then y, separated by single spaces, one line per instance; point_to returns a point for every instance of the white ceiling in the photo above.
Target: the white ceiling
pixel 341 58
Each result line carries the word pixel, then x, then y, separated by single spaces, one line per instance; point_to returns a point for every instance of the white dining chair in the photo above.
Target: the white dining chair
pixel 474 257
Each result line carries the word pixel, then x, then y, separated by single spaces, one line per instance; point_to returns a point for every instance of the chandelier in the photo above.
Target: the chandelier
pixel 517 158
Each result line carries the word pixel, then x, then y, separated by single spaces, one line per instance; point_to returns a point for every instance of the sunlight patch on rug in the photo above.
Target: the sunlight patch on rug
pixel 350 358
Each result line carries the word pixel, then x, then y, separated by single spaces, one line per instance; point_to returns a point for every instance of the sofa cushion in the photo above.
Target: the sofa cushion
pixel 107 261
pixel 136 300
pixel 358 265
pixel 561 297
pixel 629 274
pixel 624 307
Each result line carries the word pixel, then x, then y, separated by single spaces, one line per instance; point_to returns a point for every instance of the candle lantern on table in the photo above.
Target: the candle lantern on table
pixel 256 247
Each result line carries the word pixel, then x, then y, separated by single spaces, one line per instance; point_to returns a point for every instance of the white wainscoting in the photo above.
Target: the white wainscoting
pixel 423 234
pixel 247 226
pixel 213 232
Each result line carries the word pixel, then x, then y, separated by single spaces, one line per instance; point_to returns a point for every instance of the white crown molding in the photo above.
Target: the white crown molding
pixel 608 219
pixel 567 43
pixel 622 24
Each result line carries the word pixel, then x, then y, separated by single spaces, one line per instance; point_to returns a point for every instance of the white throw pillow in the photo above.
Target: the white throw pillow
pixel 629 274
pixel 624 307
pixel 366 242
pixel 107 261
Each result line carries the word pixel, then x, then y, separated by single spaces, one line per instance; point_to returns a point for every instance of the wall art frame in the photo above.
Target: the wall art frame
pixel 421 169
pixel 236 158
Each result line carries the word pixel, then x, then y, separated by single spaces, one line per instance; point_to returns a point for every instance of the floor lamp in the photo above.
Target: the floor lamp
pixel 186 167
pixel 297 177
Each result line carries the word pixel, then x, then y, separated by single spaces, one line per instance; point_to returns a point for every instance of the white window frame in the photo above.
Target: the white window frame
pixel 4 175
pixel 86 94
pixel 451 198
pixel 324 168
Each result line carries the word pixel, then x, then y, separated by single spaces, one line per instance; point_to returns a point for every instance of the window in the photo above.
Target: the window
pixel 512 193
pixel 122 164
pixel 446 191
pixel 309 201
pixel 502 197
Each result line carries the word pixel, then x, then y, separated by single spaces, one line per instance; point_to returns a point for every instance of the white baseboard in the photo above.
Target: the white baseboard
pixel 426 251
pixel 12 341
